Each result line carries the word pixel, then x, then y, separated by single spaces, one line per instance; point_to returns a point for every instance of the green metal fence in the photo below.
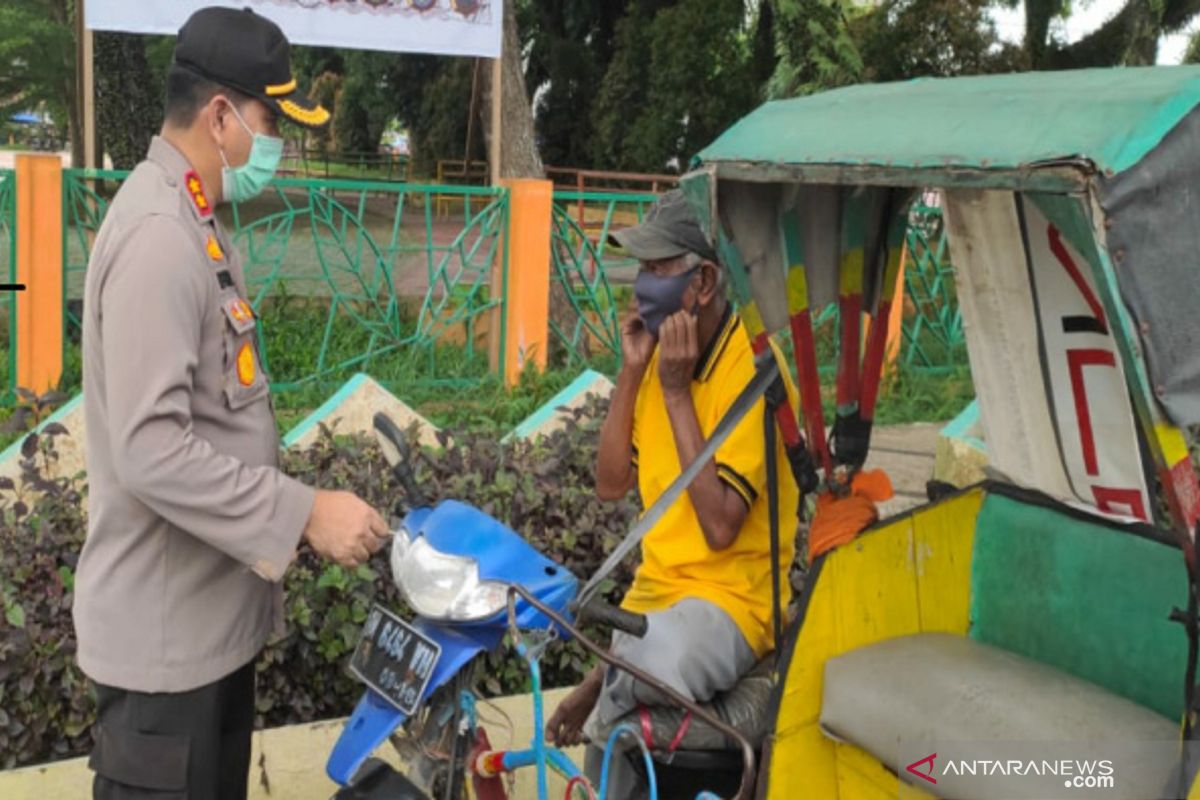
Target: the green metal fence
pixel 351 275
pixel 347 275
pixel 933 331
pixel 591 282
pixel 8 269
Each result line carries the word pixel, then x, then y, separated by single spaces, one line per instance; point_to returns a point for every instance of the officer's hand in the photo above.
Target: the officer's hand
pixel 344 529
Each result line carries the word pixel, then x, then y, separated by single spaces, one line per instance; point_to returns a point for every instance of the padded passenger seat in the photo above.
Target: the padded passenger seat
pixel 902 699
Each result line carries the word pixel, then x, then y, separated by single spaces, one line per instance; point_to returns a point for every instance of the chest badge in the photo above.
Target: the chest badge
pixel 196 190
pixel 213 248
pixel 245 365
pixel 240 314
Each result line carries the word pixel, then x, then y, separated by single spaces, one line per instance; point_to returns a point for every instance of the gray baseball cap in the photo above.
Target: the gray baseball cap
pixel 669 229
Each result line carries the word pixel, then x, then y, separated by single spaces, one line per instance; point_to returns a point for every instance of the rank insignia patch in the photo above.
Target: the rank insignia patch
pixel 213 247
pixel 196 190
pixel 245 365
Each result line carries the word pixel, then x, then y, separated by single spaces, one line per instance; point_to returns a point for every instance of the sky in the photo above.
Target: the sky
pixel 1089 15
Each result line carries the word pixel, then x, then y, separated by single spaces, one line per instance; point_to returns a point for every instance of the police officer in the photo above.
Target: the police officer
pixel 191 524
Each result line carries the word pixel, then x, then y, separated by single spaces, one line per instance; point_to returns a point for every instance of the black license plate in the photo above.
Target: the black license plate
pixel 394 659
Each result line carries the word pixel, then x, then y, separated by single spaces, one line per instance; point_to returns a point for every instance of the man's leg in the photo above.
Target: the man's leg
pixel 167 746
pixel 694 647
pixel 237 726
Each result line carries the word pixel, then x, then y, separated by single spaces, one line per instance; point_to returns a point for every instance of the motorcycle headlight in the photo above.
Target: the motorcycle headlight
pixel 442 586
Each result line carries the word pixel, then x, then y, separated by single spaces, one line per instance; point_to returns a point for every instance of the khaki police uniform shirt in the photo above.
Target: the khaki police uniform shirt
pixel 191 525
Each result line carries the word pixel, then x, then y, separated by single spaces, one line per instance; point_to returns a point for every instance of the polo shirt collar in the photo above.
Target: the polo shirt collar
pixel 716 345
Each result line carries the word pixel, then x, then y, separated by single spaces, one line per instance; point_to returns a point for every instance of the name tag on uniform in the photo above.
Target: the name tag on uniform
pixel 240 315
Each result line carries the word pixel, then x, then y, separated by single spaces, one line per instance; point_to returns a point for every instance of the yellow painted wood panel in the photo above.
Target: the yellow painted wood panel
pixel 801 704
pixel 877 587
pixel 943 540
pixel 803 767
pixel 906 577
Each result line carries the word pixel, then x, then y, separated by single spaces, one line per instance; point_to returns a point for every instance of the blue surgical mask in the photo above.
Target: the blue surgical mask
pixel 239 184
pixel 659 296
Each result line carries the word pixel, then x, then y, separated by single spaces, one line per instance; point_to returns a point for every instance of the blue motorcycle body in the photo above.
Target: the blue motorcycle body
pixel 457 529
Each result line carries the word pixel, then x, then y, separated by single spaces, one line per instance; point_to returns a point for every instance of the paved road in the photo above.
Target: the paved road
pixel 906 453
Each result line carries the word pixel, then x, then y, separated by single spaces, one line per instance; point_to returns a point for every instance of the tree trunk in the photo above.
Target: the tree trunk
pixel 128 97
pixel 75 124
pixel 67 16
pixel 519 157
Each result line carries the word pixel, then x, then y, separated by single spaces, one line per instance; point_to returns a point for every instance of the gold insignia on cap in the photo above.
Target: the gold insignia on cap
pixel 213 247
pixel 196 189
pixel 305 116
pixel 281 88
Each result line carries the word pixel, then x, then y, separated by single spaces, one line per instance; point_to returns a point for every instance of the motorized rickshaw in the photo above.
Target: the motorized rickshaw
pixel 1034 635
pixel 992 642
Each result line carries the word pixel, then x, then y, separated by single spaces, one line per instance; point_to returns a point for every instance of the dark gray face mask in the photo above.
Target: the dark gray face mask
pixel 658 296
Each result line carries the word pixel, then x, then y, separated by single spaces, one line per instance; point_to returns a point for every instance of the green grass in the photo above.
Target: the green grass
pixel 913 395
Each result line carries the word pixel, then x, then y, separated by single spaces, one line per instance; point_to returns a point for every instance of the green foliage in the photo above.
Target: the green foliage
pixel 571 44
pixel 679 77
pixel 814 46
pixel 129 96
pixel 912 395
pixel 363 101
pixel 325 90
pixel 438 128
pixel 904 39
pixel 544 491
pixel 37 57
pixel 46 707
pixel 1192 55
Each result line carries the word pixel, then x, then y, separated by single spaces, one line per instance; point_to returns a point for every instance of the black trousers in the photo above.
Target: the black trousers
pixel 191 745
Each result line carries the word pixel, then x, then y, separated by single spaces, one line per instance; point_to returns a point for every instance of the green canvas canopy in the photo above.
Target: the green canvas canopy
pixel 1123 142
pixel 1110 118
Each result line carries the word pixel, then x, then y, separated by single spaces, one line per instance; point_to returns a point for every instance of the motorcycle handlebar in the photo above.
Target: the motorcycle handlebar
pixel 392 439
pixel 601 612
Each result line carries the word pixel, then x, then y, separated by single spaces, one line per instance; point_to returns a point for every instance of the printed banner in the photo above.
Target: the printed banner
pixel 446 27
pixel 1084 376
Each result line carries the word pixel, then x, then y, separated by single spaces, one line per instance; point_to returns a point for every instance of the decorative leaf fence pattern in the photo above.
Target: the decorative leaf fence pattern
pixel 374 269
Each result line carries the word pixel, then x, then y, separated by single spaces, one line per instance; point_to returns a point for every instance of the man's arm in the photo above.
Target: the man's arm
pixel 720 509
pixel 615 474
pixel 152 307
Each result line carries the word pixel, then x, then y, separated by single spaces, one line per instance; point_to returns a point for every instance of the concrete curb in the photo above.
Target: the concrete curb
pixel 353 406
pixel 554 413
pixel 961 455
pixel 70 448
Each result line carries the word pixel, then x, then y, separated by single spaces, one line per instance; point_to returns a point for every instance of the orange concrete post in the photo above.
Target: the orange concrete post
pixel 524 336
pixel 39 342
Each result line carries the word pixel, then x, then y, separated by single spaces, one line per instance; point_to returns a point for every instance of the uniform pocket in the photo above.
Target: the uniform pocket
pixel 149 761
pixel 244 381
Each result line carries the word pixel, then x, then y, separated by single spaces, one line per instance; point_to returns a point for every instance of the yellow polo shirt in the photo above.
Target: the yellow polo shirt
pixel 676 559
